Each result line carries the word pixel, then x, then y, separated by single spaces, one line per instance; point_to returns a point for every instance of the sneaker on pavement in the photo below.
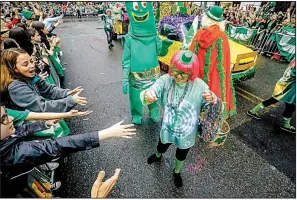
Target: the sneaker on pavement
pixel 255 116
pixel 153 158
pixel 291 129
pixel 47 167
pixel 178 181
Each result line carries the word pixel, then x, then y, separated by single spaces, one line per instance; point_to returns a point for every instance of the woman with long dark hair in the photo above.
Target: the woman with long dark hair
pixel 43 31
pixel 10 43
pixel 22 38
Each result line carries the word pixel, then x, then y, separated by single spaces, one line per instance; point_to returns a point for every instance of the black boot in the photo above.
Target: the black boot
pixel 153 158
pixel 111 45
pixel 178 181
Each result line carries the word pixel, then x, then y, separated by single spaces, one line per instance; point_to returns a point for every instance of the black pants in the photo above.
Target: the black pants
pixel 78 14
pixel 180 154
pixel 109 36
pixel 289 109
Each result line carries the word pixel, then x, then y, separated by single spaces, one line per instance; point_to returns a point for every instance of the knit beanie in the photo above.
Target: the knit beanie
pixel 27 14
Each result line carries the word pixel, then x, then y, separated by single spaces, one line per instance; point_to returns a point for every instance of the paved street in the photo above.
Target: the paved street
pixel 257 161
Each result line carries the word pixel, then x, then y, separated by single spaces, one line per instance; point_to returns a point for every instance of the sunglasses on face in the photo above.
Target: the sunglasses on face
pixel 4 118
pixel 175 73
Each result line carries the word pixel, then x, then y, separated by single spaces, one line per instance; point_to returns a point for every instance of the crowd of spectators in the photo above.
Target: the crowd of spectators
pixel 29 48
pixel 33 105
pixel 263 18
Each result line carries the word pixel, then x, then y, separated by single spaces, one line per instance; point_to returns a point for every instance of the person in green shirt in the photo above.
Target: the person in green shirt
pixel 272 23
pixel 108 27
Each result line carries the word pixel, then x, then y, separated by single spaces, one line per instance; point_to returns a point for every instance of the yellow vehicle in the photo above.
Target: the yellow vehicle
pixel 243 60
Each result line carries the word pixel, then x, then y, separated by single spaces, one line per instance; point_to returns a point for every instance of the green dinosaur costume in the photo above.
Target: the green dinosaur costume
pixel 140 57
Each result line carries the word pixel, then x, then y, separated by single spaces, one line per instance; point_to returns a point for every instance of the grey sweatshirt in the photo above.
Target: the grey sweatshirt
pixel 33 96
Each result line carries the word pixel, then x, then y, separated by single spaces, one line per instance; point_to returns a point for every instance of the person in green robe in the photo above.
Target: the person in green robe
pixel 284 91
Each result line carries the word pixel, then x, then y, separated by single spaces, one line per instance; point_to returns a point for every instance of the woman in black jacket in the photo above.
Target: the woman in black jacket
pixel 20 153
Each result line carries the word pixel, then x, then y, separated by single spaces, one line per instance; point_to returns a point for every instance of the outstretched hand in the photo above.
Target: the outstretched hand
pixel 102 189
pixel 75 91
pixel 123 131
pixel 117 130
pixel 76 113
pixel 80 100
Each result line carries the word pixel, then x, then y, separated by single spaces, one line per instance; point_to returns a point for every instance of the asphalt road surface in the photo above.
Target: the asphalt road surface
pixel 257 160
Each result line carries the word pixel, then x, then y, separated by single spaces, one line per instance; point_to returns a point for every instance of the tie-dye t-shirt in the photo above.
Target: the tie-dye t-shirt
pixel 179 126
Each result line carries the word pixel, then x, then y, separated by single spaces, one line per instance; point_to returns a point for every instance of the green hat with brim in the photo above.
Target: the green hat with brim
pixel 27 14
pixel 215 13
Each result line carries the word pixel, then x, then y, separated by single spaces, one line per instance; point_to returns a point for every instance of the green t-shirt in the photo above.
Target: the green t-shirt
pixel 19 116
pixel 108 23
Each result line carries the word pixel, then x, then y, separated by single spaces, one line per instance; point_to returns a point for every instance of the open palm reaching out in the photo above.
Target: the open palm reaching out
pixel 102 189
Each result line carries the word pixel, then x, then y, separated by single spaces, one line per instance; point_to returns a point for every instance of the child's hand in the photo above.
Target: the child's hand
pixel 150 97
pixel 76 113
pixel 75 91
pixel 209 97
pixel 80 100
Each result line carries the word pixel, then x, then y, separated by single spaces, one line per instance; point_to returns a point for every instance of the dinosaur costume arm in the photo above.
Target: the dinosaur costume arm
pixel 126 65
pixel 163 46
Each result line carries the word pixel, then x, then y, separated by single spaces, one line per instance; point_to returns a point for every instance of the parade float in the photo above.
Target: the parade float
pixel 176 27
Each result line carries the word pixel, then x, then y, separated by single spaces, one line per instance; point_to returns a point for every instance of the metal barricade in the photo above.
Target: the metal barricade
pixel 269 45
pixel 265 42
pixel 258 41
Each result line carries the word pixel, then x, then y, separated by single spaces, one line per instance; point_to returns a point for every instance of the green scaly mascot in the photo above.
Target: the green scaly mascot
pixel 140 64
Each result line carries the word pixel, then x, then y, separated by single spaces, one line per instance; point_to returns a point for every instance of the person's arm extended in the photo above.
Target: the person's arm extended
pixel 24 97
pixel 52 28
pixel 28 129
pixel 13 23
pixel 155 92
pixel 48 21
pixel 36 12
pixel 51 91
pixel 49 116
pixel 41 151
pixel 16 14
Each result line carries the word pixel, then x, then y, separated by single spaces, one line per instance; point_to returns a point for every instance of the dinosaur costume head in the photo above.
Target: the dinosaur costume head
pixel 142 20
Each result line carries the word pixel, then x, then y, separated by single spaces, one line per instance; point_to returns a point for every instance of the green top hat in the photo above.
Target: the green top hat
pixel 187 57
pixel 215 13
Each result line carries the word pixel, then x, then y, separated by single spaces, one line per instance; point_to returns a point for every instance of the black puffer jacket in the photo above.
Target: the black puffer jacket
pixel 20 153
